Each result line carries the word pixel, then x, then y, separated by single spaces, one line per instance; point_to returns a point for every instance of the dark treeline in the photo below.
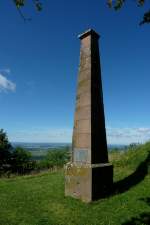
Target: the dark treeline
pixel 17 160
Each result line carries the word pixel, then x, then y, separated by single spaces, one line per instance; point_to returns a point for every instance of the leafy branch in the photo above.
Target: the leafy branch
pixel 21 3
pixel 118 4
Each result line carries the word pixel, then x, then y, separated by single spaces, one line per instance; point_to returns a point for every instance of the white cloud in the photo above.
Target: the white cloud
pixel 5 84
pixel 124 135
pixel 128 135
pixel 61 135
pixel 6 70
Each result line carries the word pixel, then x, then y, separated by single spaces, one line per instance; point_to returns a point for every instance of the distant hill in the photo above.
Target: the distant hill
pixel 54 145
pixel 29 145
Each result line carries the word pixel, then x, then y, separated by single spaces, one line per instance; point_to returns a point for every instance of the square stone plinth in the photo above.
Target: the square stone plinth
pixel 88 182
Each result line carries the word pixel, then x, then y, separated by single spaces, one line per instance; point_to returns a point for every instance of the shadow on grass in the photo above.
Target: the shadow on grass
pixel 133 179
pixel 143 218
pixel 130 181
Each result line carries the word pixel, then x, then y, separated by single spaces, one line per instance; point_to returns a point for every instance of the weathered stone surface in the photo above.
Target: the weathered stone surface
pixel 78 182
pixel 84 86
pixel 84 75
pixel 83 126
pixel 89 176
pixel 83 99
pixel 83 113
pixel 88 182
pixel 82 140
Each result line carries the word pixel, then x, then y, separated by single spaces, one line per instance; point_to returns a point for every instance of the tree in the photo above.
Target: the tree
pixel 36 3
pixel 117 4
pixel 20 160
pixel 5 150
pixel 56 158
pixel 20 3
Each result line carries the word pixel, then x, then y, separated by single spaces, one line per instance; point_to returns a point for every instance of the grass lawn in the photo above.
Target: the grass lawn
pixel 39 199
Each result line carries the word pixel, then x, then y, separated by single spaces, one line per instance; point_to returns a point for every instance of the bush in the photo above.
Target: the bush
pixel 5 152
pixel 55 158
pixel 18 160
pixel 21 161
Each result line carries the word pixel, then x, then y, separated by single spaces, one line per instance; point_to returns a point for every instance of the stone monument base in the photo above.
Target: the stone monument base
pixel 88 182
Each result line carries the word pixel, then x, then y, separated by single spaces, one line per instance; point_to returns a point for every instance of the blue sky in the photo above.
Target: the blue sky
pixel 39 64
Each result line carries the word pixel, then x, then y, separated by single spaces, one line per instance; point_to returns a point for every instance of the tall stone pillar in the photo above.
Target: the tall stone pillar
pixel 89 176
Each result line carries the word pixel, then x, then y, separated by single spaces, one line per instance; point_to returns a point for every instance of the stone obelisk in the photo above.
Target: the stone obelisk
pixel 89 176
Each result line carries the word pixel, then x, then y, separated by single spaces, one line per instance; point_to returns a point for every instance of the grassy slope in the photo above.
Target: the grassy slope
pixel 39 200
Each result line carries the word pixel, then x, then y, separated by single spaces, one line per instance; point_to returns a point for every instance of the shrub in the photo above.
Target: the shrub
pixel 5 151
pixel 55 158
pixel 21 161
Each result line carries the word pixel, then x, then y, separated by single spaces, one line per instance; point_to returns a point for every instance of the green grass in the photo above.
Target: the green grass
pixel 39 199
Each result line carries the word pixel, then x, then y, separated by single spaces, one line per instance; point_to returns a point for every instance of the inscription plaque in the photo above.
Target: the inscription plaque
pixel 80 155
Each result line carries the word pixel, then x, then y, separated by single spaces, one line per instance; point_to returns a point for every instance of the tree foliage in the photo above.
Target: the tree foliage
pixel 5 149
pixel 16 160
pixel 117 4
pixel 36 3
pixel 20 160
pixel 56 158
pixel 21 3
